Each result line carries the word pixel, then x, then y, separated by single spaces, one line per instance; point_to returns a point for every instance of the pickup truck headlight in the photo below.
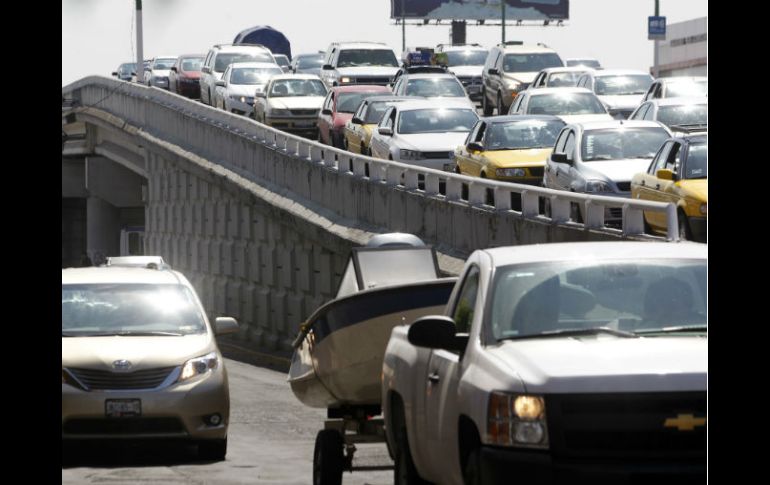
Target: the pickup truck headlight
pixel 510 172
pixel 516 420
pixel 199 365
pixel 598 186
pixel 410 155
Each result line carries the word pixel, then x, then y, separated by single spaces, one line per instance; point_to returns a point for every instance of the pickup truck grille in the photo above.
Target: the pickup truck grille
pixel 382 81
pixel 627 425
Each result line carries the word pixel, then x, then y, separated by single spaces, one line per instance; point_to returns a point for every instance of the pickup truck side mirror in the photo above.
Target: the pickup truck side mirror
pixel 436 332
pixel 225 325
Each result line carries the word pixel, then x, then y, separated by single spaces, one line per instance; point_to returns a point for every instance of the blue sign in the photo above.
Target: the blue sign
pixel 656 28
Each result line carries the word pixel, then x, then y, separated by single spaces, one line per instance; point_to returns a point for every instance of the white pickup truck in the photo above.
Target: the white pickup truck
pixel 581 361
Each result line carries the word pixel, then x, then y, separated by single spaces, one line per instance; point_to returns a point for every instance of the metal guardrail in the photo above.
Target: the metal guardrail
pixel 481 193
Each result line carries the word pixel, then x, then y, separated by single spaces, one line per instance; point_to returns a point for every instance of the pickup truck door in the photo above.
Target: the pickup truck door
pixel 441 406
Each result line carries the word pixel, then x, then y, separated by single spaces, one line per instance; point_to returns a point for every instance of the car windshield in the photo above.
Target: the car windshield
pixel 564 79
pixel 367 57
pixel 620 143
pixel 436 120
pixel 127 309
pixel 281 60
pixel 127 68
pixel 517 135
pixel 310 62
pixel 565 104
pixel 163 63
pixel 622 84
pixel 298 87
pixel 375 111
pixel 435 87
pixel 192 64
pixel 697 158
pixel 638 296
pixel 684 114
pixel 224 59
pixel 584 62
pixel 531 62
pixel 681 89
pixel 253 75
pixel 466 58
pixel 349 102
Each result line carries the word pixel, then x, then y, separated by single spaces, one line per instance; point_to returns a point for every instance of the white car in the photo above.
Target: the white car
pixel 291 102
pixel 573 105
pixel 558 77
pixel 240 81
pixel 157 74
pixel 561 363
pixel 221 56
pixel 621 90
pixel 359 63
pixel 582 61
pixel 601 157
pixel 678 87
pixel 433 86
pixel 466 61
pixel 423 132
pixel 679 114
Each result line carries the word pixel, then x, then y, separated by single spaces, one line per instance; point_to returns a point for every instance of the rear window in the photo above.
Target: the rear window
pixel 531 62
pixel 226 58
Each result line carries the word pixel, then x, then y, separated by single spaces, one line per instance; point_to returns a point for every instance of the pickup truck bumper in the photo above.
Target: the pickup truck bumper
pixel 500 466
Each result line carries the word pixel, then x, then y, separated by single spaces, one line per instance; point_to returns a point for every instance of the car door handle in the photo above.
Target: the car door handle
pixel 657 186
pixel 643 183
pixel 434 378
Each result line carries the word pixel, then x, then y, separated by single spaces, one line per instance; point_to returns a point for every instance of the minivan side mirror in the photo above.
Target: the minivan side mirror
pixel 436 332
pixel 225 325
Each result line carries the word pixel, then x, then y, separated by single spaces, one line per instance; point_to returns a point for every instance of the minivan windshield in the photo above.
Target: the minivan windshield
pixel 106 309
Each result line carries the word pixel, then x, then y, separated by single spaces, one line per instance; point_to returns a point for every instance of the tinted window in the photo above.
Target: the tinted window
pixel 466 58
pixel 523 134
pixel 565 104
pixel 367 57
pixel 625 84
pixel 616 144
pixel 436 120
pixel 530 62
pixel 281 60
pixel 561 79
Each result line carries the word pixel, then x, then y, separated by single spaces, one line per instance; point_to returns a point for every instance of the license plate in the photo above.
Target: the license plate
pixel 122 408
pixel 474 89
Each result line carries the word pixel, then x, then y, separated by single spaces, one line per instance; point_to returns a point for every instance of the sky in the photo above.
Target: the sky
pixel 99 35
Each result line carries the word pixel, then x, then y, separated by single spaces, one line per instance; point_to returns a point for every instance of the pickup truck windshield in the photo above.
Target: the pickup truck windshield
pixel 650 296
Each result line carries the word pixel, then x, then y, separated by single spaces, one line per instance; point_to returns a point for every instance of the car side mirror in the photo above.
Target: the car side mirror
pixel 475 147
pixel 259 94
pixel 357 121
pixel 493 71
pixel 559 158
pixel 385 131
pixel 221 83
pixel 326 111
pixel 173 68
pixel 665 174
pixel 115 74
pixel 436 332
pixel 225 325
pixel 327 67
pixel 206 69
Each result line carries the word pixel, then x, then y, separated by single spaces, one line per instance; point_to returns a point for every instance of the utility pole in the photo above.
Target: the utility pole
pixel 403 28
pixel 502 6
pixel 139 46
pixel 655 46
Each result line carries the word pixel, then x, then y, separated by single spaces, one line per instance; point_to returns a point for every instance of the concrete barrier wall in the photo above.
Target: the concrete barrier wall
pixel 262 222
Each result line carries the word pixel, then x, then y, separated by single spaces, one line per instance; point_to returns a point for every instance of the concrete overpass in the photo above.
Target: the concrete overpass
pixel 262 221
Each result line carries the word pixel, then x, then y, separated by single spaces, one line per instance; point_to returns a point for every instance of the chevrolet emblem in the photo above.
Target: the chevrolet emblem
pixel 684 422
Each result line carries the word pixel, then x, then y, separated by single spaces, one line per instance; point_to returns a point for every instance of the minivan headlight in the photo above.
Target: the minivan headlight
pixel 199 365
pixel 516 420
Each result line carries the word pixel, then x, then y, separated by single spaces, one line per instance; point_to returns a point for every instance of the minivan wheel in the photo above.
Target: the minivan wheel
pixel 500 104
pixel 212 450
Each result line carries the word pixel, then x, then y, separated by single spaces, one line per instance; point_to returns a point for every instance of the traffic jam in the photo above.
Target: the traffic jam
pixel 541 363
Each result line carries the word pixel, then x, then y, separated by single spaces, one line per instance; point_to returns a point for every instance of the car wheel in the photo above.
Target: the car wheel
pixel 647 227
pixel 500 104
pixel 485 104
pixel 472 471
pixel 404 471
pixel 212 450
pixel 575 214
pixel 684 227
pixel 546 207
pixel 328 458
pixel 345 143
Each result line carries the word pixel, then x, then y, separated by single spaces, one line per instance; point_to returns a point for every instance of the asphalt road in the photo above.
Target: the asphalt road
pixel 270 441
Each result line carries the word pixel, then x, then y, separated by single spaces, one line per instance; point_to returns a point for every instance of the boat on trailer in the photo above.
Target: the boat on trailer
pixel 338 352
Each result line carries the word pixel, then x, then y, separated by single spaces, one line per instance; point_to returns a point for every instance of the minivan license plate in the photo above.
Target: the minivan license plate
pixel 122 408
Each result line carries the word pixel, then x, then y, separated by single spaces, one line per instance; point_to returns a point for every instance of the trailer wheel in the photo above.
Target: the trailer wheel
pixel 328 458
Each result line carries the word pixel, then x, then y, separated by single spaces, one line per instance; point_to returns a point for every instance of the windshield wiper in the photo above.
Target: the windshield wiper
pixel 676 329
pixel 570 332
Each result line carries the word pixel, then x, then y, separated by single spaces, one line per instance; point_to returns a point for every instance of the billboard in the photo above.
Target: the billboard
pixel 480 9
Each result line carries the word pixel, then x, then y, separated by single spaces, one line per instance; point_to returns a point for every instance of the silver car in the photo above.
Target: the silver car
pixel 291 102
pixel 679 114
pixel 240 82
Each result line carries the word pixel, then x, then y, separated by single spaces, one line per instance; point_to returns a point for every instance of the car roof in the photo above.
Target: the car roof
pixel 610 124
pixel 595 251
pixel 429 75
pixel 679 101
pixel 566 89
pixel 354 88
pixel 617 72
pixel 121 275
pixel 510 118
pixel 433 103
pixel 253 64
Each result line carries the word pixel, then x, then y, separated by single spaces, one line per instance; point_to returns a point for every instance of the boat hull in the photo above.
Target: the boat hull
pixel 339 362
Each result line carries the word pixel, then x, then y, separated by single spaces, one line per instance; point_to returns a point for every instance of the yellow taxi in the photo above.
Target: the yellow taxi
pixel 511 148
pixel 677 174
pixel 358 131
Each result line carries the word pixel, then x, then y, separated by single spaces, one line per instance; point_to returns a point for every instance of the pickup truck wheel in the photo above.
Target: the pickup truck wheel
pixel 472 472
pixel 485 104
pixel 405 473
pixel 328 458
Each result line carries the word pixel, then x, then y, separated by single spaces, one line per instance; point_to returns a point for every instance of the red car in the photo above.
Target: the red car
pixel 338 109
pixel 185 74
